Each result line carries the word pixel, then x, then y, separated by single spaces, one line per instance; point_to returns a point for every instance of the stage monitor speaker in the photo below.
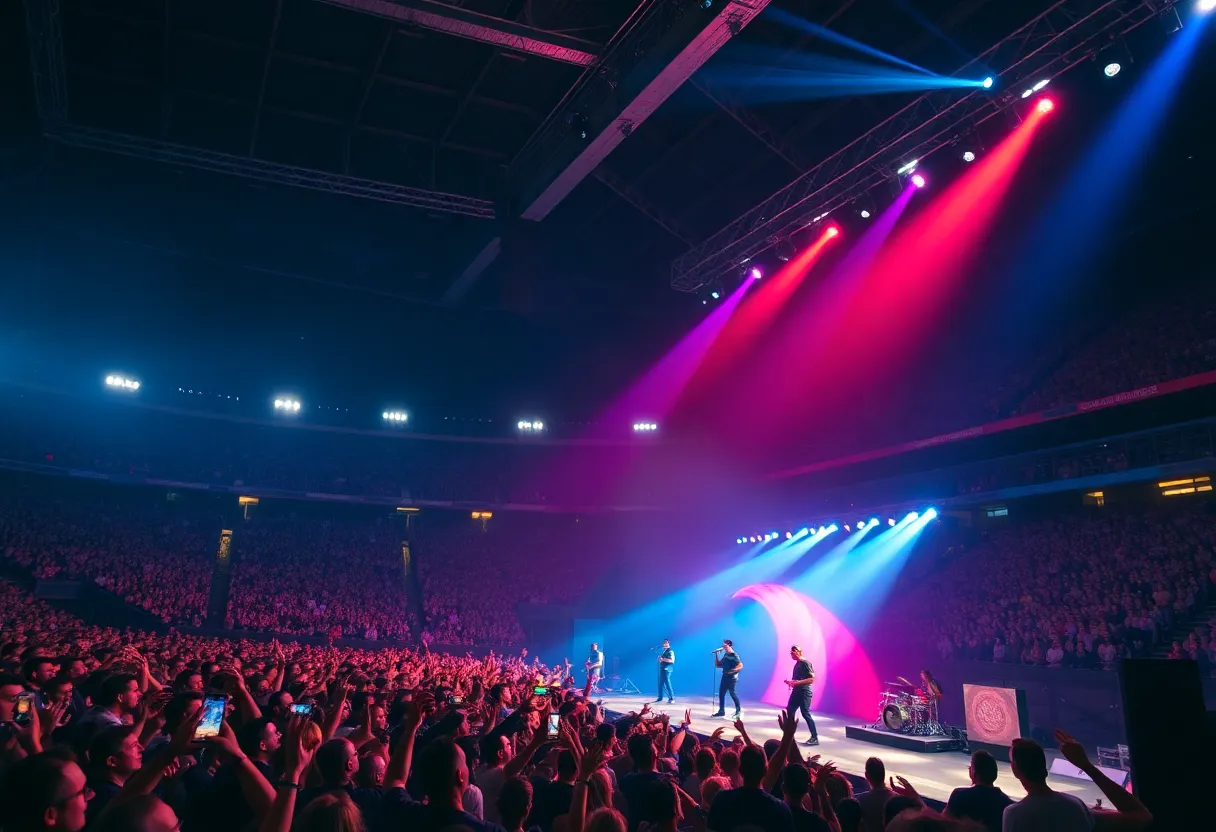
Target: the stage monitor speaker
pixel 1167 740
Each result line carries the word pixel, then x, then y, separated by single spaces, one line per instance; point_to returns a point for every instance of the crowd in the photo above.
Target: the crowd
pixel 467 571
pixel 1082 591
pixel 306 576
pixel 146 554
pixel 109 730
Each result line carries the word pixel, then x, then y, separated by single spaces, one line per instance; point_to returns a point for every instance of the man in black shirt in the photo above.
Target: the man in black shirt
pixel 800 691
pixel 727 659
pixel 983 802
pixel 667 663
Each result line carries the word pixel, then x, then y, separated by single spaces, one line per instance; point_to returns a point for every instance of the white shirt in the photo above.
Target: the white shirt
pixel 1055 812
pixel 471 802
pixel 490 781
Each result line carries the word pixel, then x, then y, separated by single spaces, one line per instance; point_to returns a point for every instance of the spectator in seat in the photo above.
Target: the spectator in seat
pixel 982 801
pixel 46 791
pixel 1042 808
pixel 873 801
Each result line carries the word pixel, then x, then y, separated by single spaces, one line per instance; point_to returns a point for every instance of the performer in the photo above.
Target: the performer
pixel 667 663
pixel 595 666
pixel 800 691
pixel 726 658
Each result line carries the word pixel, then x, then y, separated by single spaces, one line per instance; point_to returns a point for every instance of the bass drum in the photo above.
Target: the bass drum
pixel 896 718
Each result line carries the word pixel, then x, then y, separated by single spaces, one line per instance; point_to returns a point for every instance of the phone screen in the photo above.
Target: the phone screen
pixel 540 690
pixel 208 726
pixel 301 709
pixel 24 705
pixel 554 721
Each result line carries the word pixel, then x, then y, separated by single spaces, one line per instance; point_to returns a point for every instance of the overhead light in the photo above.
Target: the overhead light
pixel 832 231
pixel 988 82
pixel 644 427
pixel 1114 67
pixel 1205 6
pixel 908 168
pixel 865 215
pixel 968 156
pixel 715 294
pixel 918 180
pixel 755 273
pixel 1040 84
pixel 530 426
pixel 395 417
pixel 287 405
pixel 1046 105
pixel 127 385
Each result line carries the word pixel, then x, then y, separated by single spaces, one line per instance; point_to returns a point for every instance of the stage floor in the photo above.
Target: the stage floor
pixel 933 775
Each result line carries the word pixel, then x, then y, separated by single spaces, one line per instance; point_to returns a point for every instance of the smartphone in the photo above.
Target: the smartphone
pixel 24 710
pixel 455 700
pixel 301 709
pixel 214 705
pixel 540 690
pixel 554 721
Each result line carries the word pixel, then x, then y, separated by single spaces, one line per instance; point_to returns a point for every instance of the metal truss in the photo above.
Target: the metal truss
pixel 45 30
pixel 45 33
pixel 262 171
pixel 463 23
pixel 1049 45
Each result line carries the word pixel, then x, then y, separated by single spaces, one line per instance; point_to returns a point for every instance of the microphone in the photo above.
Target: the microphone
pixel 717 650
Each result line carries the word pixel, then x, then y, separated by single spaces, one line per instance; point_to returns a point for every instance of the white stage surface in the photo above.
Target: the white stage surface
pixel 933 775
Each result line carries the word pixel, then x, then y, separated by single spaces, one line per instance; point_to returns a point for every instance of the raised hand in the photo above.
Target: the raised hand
pixel 903 788
pixel 1072 750
pixel 687 718
pixel 296 757
pixel 788 723
pixel 717 734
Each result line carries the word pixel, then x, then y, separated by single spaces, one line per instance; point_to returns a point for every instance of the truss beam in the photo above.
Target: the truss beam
pixel 263 171
pixel 462 23
pixel 1049 45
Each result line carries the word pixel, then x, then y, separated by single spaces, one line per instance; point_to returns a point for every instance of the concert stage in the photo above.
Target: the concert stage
pixel 934 775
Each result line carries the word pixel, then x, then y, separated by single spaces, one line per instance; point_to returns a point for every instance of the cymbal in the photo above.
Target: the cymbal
pixel 905 681
pixel 902 684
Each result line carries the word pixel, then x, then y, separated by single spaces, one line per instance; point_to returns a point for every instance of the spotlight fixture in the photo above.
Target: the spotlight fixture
pixel 755 273
pixel 395 417
pixel 1040 84
pixel 865 215
pixel 785 250
pixel 287 405
pixel 918 181
pixel 705 4
pixel 846 527
pixel 832 231
pixel 930 514
pixel 988 82
pixel 908 168
pixel 530 426
pixel 127 385
pixel 788 535
pixel 715 294
pixel 644 427
pixel 1045 106
pixel 968 156
pixel 890 521
pixel 1112 69
pixel 1205 6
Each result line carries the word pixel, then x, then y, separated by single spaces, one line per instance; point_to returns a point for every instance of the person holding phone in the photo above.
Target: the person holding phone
pixel 728 660
pixel 667 664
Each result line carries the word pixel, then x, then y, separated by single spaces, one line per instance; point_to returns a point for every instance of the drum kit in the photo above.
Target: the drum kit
pixel 906 709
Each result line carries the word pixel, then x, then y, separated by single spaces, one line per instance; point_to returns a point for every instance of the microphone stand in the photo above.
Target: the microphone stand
pixel 713 692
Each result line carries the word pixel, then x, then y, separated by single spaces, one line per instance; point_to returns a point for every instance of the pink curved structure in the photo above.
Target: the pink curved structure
pixel 845 681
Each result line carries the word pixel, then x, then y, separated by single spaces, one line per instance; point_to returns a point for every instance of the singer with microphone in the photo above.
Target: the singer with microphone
pixel 667 663
pixel 726 658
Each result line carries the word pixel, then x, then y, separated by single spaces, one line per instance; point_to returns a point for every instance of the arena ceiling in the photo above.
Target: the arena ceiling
pixel 341 87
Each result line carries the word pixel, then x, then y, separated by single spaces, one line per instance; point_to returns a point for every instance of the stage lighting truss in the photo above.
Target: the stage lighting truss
pixel 828 528
pixel 1065 35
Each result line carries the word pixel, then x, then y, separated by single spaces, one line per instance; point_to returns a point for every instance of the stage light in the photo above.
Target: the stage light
pixel 846 527
pixel 395 417
pixel 644 427
pixel 832 528
pixel 912 515
pixel 890 521
pixel 968 156
pixel 873 521
pixel 756 273
pixel 988 82
pixel 1112 69
pixel 715 294
pixel 806 531
pixel 931 514
pixel 527 426
pixel 908 168
pixel 788 535
pixel 1040 84
pixel 287 405
pixel 751 539
pixel 832 231
pixel 918 181
pixel 1046 105
pixel 127 385
pixel 1205 6
pixel 865 215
